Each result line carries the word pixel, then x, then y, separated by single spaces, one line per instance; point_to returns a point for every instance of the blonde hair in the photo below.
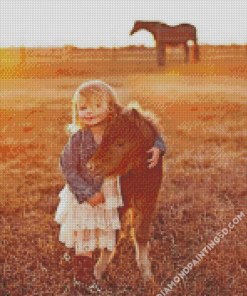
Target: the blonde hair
pixel 106 94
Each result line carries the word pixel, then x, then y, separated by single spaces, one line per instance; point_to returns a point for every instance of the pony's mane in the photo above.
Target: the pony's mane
pixel 148 115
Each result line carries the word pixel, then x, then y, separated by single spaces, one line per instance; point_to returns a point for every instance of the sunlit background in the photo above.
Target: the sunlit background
pixel 107 23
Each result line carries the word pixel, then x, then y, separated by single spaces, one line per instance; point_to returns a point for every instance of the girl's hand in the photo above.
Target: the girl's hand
pixel 96 199
pixel 155 157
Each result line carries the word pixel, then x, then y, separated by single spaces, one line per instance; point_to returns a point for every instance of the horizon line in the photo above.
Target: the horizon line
pixel 112 47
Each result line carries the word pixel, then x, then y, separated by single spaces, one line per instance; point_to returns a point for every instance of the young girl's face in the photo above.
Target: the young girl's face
pixel 91 116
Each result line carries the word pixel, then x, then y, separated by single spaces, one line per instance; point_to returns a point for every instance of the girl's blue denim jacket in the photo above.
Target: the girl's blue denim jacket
pixel 72 164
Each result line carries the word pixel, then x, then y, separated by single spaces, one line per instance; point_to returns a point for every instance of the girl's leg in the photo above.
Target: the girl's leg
pixel 101 265
pixel 83 269
pixel 84 264
pixel 86 237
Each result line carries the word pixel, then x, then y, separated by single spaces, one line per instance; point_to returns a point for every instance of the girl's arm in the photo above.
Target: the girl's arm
pixel 160 144
pixel 68 165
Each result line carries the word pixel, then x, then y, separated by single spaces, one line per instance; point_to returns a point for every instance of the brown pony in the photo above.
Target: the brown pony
pixel 123 152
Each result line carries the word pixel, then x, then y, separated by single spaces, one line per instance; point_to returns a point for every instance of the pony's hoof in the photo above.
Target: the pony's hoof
pixel 149 278
pixel 146 273
pixel 97 273
pixel 152 284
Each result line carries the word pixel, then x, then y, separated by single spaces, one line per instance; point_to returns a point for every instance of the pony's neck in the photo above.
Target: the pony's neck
pixel 150 27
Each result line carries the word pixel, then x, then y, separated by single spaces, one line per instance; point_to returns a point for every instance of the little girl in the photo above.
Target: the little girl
pixel 88 205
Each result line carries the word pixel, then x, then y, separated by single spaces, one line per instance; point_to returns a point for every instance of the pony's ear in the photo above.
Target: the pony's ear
pixel 133 115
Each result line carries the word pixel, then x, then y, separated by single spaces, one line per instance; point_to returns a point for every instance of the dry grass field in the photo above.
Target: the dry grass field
pixel 203 111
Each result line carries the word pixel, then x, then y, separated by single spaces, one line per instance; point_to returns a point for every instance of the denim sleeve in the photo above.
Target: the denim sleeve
pixel 69 167
pixel 160 144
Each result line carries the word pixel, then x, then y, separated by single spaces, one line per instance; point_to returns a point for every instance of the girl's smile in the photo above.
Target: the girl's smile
pixel 92 117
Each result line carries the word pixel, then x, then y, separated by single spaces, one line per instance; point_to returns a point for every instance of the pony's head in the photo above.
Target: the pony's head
pixel 124 145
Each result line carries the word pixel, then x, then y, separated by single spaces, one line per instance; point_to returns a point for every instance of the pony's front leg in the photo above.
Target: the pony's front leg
pixel 141 238
pixel 142 260
pixel 101 265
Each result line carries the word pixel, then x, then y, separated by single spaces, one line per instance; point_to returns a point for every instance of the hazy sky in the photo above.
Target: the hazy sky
pixel 93 23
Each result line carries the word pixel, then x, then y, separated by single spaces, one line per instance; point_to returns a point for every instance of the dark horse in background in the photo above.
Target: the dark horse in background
pixel 123 152
pixel 169 35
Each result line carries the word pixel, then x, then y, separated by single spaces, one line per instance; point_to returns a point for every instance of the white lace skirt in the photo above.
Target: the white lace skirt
pixel 84 227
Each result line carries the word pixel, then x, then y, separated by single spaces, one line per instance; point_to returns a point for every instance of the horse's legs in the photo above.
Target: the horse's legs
pixel 142 259
pixel 101 265
pixel 126 220
pixel 164 54
pixel 186 48
pixel 161 52
pixel 141 237
pixel 196 53
pixel 106 256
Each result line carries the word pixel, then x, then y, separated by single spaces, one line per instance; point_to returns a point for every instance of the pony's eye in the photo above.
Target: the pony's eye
pixel 120 144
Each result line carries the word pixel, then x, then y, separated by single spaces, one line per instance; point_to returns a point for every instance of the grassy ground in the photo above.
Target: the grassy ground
pixel 202 108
